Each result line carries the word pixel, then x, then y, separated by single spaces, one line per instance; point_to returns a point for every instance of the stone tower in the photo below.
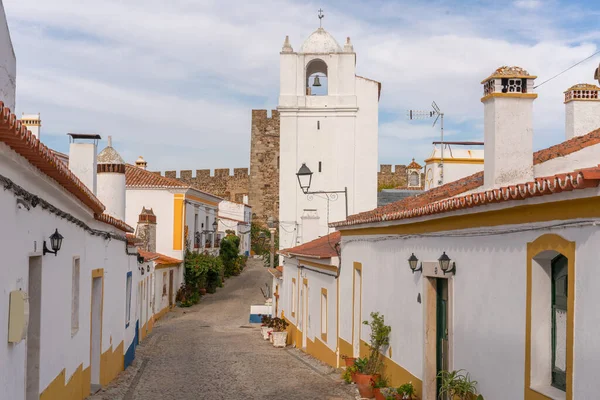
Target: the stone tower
pixel 146 229
pixel 329 119
pixel 263 193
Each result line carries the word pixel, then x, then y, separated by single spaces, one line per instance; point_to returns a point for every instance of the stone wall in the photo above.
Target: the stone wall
pixel 264 165
pixel 391 179
pixel 222 183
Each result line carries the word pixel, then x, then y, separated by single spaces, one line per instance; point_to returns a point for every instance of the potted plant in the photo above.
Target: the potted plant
pixel 458 385
pixel 379 383
pixel 265 321
pixel 279 332
pixel 406 391
pixel 379 338
pixel 349 361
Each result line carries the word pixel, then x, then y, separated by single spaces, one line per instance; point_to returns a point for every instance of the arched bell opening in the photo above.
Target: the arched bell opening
pixel 316 78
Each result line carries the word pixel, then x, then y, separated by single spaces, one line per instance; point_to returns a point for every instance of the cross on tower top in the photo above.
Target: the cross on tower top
pixel 321 16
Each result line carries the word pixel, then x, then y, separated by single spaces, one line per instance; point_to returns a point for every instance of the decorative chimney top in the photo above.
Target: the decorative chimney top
pixel 348 47
pixel 109 160
pixel 141 163
pixel 147 216
pixel 287 47
pixel 582 91
pixel 508 82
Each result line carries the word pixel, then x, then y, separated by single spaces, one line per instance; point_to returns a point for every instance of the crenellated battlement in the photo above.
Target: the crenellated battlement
pixel 220 181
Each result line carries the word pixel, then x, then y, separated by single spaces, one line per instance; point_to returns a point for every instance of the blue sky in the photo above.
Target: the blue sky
pixel 176 81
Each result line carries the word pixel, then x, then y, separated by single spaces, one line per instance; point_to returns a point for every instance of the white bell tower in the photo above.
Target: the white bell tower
pixel 329 121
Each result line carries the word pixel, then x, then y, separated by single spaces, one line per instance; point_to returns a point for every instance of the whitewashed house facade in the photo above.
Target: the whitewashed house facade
pixel 236 217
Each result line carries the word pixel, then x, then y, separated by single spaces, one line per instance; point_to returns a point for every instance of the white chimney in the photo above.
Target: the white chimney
pixel 508 127
pixel 582 110
pixel 33 123
pixel 83 160
pixel 141 163
pixel 111 181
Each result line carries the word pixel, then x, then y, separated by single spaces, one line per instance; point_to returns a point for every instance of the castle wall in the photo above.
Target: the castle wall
pixel 222 183
pixel 264 165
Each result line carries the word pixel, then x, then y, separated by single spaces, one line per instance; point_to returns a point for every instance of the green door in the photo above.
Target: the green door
pixel 560 281
pixel 441 328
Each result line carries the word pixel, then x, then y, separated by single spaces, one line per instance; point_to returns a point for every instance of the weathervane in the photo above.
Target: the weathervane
pixel 321 16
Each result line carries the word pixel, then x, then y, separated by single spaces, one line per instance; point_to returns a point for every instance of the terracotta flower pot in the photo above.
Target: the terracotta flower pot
pixel 377 394
pixel 349 361
pixel 202 291
pixel 363 382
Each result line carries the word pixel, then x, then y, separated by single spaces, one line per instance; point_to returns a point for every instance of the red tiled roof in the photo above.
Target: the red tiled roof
pixel 279 268
pixel 133 240
pixel 413 165
pixel 466 184
pixel 567 147
pixel 579 179
pixel 323 247
pixel 138 177
pixel 17 137
pixel 158 258
pixel 276 272
pixel 117 223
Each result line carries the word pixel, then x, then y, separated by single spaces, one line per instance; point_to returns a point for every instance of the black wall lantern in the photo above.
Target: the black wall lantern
pixel 413 261
pixel 304 175
pixel 140 259
pixel 55 243
pixel 444 261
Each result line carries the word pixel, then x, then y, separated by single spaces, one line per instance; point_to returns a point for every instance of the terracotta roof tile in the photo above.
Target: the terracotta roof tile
pixel 468 183
pixel 275 272
pixel 138 177
pixel 158 258
pixel 323 247
pixel 567 147
pixel 414 165
pixel 17 137
pixel 117 223
pixel 578 179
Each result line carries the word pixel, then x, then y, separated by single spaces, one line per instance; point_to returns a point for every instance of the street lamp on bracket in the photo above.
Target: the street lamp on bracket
pixel 304 176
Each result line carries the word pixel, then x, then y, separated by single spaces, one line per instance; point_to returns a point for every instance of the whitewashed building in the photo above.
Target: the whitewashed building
pixel 307 296
pixel 329 123
pixel 451 161
pixel 236 217
pixel 515 306
pixel 62 336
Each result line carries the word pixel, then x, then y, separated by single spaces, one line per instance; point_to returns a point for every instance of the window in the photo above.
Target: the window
pixel 560 281
pixel 413 179
pixel 293 297
pixel 75 297
pixel 324 314
pixel 319 166
pixel 128 300
pixel 318 125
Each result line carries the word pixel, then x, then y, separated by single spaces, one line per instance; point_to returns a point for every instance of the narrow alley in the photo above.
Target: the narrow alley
pixel 210 351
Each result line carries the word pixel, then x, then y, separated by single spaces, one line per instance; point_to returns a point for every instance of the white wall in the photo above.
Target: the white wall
pixel 111 192
pixel 8 64
pixel 489 302
pixel 83 161
pixel 23 235
pixel 581 117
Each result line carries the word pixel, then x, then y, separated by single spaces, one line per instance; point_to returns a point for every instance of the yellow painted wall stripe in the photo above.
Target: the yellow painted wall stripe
pixel 201 200
pixel 567 249
pixel 455 160
pixel 178 215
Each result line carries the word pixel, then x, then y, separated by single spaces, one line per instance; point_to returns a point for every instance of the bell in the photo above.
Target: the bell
pixel 317 82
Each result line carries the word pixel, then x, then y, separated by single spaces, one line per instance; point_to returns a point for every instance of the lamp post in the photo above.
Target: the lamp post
pixel 304 176
pixel 271 225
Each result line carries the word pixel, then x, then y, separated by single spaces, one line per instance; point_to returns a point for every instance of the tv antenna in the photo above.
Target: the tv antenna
pixel 439 115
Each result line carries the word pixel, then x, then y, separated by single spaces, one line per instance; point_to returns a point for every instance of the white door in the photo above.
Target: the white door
pixel 356 318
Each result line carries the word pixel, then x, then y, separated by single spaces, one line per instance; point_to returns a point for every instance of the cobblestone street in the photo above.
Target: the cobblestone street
pixel 210 351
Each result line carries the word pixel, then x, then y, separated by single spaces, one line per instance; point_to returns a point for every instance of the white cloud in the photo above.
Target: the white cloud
pixel 184 75
pixel 528 4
